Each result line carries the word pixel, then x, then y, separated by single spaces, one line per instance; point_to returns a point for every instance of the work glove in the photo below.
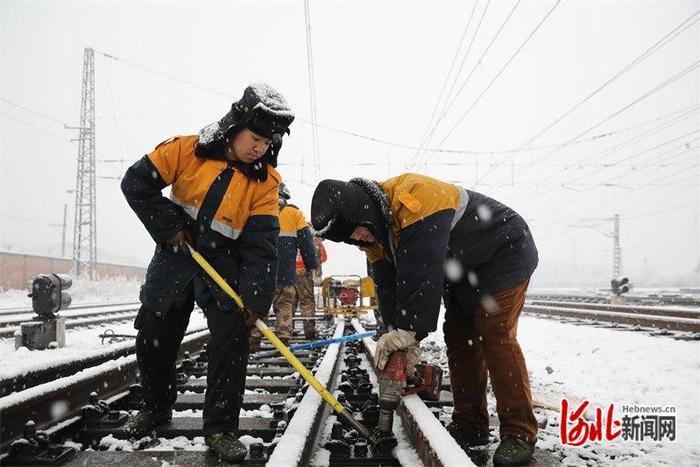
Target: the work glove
pixel 180 240
pixel 250 317
pixel 394 340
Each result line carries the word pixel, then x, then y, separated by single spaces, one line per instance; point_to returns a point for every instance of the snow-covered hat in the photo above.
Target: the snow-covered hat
pixel 263 110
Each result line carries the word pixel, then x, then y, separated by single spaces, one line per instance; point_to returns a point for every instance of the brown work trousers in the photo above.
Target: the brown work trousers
pixel 287 297
pixel 485 338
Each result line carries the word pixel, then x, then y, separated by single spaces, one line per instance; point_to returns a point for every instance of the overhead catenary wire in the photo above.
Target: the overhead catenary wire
pixel 312 93
pixel 449 72
pixel 660 194
pixel 495 78
pixel 588 160
pixel 652 91
pixel 39 114
pixel 614 148
pixel 371 138
pixel 565 202
pixel 568 201
pixel 412 163
pixel 687 23
pixel 65 140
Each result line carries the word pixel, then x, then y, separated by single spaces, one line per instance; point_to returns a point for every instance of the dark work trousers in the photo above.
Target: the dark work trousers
pixel 227 353
pixel 157 344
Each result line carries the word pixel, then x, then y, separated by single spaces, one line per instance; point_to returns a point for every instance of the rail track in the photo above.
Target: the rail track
pixel 75 318
pixel 667 320
pixel 283 421
pixel 8 311
pixel 648 300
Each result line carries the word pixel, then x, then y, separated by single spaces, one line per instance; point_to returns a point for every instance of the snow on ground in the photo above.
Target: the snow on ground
pixel 80 342
pixel 608 366
pixel 114 289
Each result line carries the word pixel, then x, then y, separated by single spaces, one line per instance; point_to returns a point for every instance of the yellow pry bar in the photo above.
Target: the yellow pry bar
pixel 294 361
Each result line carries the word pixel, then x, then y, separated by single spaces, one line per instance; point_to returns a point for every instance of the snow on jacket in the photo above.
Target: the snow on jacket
pixel 233 219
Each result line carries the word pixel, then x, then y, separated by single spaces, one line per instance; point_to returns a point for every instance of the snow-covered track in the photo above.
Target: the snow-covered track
pixel 22 379
pixel 667 311
pixel 75 319
pixel 62 399
pixel 75 306
pixel 636 316
pixel 282 421
pixel 645 300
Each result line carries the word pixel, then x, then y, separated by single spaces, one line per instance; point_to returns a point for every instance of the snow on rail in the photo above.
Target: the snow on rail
pixel 447 451
pixel 291 447
pixel 22 397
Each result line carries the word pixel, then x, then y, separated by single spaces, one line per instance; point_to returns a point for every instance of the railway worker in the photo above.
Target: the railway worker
pixel 307 279
pixel 294 236
pixel 426 238
pixel 224 203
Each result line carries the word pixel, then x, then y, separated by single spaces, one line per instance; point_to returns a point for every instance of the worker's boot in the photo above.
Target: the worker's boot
pixel 467 439
pixel 513 451
pixel 146 420
pixel 227 446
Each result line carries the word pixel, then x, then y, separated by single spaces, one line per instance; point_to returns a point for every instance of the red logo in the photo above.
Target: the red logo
pixel 575 430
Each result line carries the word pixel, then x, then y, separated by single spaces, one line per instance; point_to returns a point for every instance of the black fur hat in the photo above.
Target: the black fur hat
pixel 337 208
pixel 263 110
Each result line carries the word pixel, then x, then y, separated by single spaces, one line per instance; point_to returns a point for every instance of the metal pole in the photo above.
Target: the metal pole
pixel 616 246
pixel 63 243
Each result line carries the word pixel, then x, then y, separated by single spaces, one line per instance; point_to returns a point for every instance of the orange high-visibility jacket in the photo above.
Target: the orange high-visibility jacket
pixel 233 218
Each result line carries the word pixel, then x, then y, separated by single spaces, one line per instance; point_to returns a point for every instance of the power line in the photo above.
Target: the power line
pixel 512 57
pixel 48 117
pixel 449 72
pixel 536 195
pixel 412 163
pixel 650 51
pixel 65 140
pixel 634 194
pixel 312 92
pixel 617 146
pixel 656 89
pixel 162 74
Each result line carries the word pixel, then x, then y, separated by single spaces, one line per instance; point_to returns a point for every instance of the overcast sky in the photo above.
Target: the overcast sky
pixel 631 148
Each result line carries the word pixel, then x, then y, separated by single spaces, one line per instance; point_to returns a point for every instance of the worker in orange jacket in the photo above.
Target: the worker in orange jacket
pixel 223 201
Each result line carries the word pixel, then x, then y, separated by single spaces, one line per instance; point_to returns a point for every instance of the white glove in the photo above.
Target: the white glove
pixel 398 339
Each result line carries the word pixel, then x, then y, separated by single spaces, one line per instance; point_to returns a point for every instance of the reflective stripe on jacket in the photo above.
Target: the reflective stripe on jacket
pixel 238 234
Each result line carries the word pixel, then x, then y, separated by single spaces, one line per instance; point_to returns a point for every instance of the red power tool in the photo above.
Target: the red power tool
pixel 393 385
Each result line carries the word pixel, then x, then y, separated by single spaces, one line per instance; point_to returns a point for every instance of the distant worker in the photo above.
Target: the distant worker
pixel 294 236
pixel 306 280
pixel 223 202
pixel 426 238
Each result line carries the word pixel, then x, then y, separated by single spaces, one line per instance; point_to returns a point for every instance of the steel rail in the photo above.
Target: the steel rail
pixel 633 319
pixel 434 444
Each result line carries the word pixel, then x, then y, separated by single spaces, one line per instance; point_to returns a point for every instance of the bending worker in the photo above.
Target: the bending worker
pixel 426 238
pixel 294 236
pixel 224 203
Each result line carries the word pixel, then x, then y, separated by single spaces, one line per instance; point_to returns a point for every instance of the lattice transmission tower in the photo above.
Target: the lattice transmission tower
pixel 85 228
